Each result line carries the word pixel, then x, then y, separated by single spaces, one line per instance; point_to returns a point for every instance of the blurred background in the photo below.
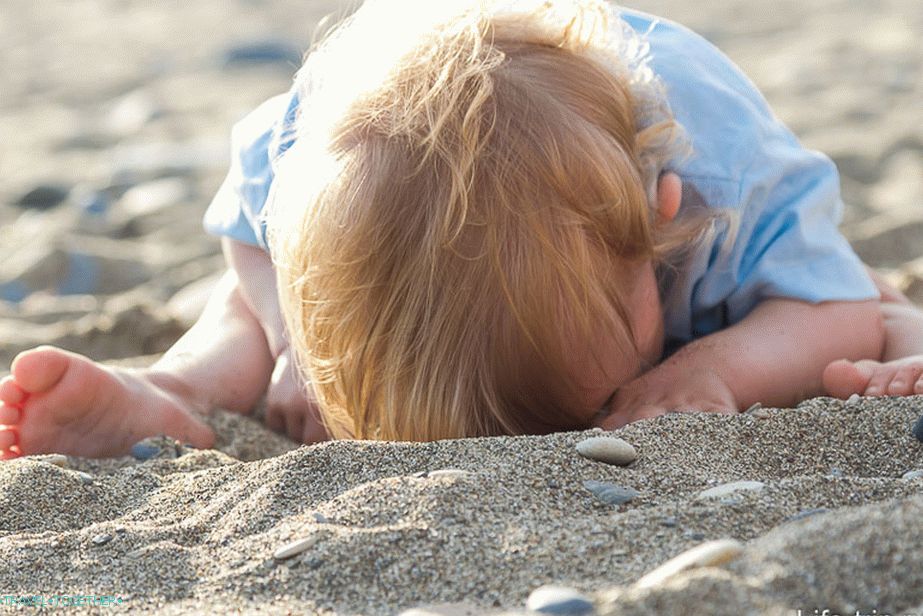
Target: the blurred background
pixel 115 118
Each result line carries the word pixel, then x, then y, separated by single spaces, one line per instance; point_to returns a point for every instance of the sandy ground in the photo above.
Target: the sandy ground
pixel 120 110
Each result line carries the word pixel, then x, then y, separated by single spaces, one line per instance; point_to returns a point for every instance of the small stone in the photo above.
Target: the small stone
pixel 296 547
pixel 911 475
pixel 85 478
pixel 754 407
pixel 726 489
pixel 263 52
pixel 852 400
pixel 694 535
pixel 154 196
pixel 710 554
pixel 608 449
pixel 760 413
pixel 669 522
pixel 101 539
pixel 559 600
pixel 806 513
pixel 610 493
pixel 444 609
pixel 320 518
pixel 161 446
pixel 56 459
pixel 835 473
pixel 448 473
pixel 143 450
pixel 918 429
pixel 43 197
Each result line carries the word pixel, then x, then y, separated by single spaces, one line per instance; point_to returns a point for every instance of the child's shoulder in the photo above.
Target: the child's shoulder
pixel 727 120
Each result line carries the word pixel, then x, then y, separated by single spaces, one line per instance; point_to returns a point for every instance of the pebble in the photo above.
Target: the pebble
pixel 607 449
pixel 610 493
pixel 296 547
pixel 446 473
pixel 806 513
pixel 320 518
pixel 728 488
pixel 754 407
pixel 669 522
pixel 835 472
pixel 131 113
pixel 760 413
pixel 559 600
pixel 153 196
pixel 444 609
pixel 43 197
pixel 911 475
pixel 918 429
pixel 852 400
pixel 85 478
pixel 709 554
pixel 262 52
pixel 101 539
pixel 157 447
pixel 57 459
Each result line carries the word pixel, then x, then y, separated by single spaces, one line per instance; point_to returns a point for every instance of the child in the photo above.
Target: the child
pixel 493 222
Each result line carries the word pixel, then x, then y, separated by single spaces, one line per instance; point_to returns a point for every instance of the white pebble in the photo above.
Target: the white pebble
pixel 445 473
pixel 911 475
pixel 709 554
pixel 729 488
pixel 608 449
pixel 559 600
pixel 853 399
pixel 56 459
pixel 296 547
pixel 444 609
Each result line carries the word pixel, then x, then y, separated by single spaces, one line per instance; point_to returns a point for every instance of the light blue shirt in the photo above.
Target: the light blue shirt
pixel 745 160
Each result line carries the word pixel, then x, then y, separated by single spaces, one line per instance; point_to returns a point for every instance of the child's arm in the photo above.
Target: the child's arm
pixel 776 356
pixel 288 406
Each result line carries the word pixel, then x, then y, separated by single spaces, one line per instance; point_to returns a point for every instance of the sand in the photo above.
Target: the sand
pixel 125 109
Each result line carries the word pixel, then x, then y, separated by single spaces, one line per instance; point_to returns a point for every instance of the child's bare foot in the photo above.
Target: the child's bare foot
pixel 57 401
pixel 899 377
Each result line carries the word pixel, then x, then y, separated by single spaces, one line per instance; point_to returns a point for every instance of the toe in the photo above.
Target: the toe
pixel 8 439
pixel 878 384
pixel 904 379
pixel 10 392
pixel 842 378
pixel 40 369
pixel 9 415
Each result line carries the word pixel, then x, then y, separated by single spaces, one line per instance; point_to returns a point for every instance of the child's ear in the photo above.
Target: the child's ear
pixel 669 194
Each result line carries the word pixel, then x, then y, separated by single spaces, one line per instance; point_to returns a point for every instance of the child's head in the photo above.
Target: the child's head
pixel 464 231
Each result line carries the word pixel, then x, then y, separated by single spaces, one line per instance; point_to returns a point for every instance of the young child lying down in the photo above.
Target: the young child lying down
pixel 501 218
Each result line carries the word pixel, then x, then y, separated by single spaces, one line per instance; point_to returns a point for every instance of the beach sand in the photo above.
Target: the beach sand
pixel 119 114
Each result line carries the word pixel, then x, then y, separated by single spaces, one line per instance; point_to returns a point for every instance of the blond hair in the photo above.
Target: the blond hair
pixel 457 207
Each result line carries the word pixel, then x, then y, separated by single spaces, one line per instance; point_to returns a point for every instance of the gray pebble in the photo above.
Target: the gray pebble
pixel 57 459
pixel 610 493
pixel 143 450
pixel 320 518
pixel 918 429
pixel 608 449
pixel 101 539
pixel 725 489
pixel 852 400
pixel 669 522
pixel 262 52
pixel 806 513
pixel 43 197
pixel 760 413
pixel 694 535
pixel 559 600
pixel 835 472
pixel 85 478
pixel 911 475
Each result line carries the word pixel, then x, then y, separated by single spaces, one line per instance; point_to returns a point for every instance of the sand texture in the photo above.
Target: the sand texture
pixel 115 117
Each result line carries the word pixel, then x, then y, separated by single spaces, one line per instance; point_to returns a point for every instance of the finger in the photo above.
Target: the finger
pixel 294 424
pixel 274 419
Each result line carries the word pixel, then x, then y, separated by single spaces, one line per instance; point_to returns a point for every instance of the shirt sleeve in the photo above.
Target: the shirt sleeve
pixel 256 141
pixel 784 199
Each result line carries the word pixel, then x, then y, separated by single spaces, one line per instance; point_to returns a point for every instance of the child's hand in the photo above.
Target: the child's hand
pixel 669 387
pixel 290 407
